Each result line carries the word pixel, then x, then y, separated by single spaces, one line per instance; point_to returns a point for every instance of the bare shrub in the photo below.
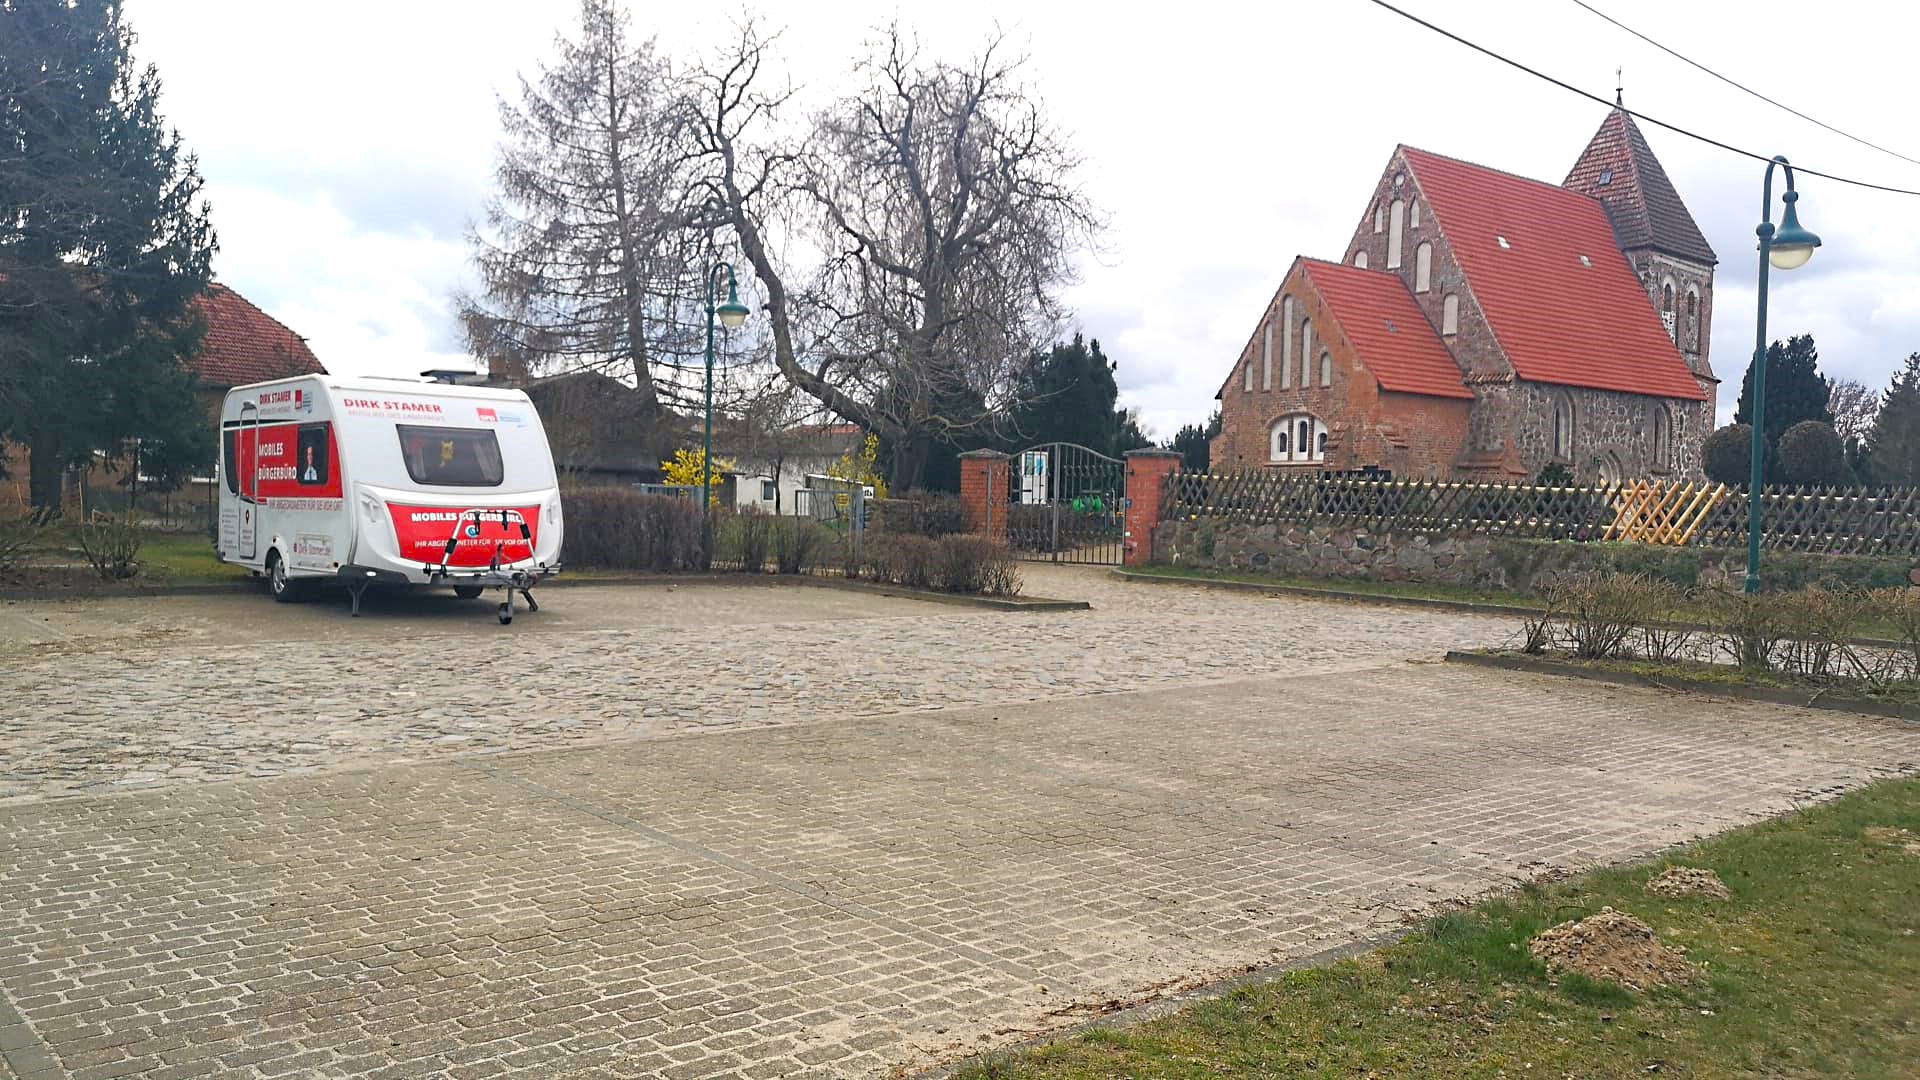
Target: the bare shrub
pixel 1899 609
pixel 1748 628
pixel 619 529
pixel 753 538
pixel 1541 632
pixel 1819 626
pixel 111 543
pixel 1660 639
pixel 1601 613
pixel 19 537
pixel 973 564
pixel 797 543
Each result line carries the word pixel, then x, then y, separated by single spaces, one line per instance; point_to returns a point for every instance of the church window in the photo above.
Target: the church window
pixel 1413 214
pixel 1379 217
pixel 1326 368
pixel 1396 225
pixel 1246 379
pixel 1563 427
pixel 1296 438
pixel 1422 268
pixel 1306 351
pixel 1662 439
pixel 1286 342
pixel 1360 259
pixel 1693 319
pixel 1266 356
pixel 1450 315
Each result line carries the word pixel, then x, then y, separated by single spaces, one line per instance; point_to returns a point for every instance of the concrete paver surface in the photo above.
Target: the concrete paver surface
pixel 978 826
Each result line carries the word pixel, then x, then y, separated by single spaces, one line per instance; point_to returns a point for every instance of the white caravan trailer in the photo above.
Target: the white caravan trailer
pixel 371 481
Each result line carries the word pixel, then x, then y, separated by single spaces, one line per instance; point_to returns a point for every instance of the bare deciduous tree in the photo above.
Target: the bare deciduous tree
pixel 1853 407
pixel 589 257
pixel 939 210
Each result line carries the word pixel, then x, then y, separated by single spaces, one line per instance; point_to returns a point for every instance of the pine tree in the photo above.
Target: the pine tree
pixel 1796 391
pixel 1070 395
pixel 105 243
pixel 1893 446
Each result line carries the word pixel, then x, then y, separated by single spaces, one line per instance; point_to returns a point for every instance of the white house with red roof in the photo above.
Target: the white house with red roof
pixel 1487 326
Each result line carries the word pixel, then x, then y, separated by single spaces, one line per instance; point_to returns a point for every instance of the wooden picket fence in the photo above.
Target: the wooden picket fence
pixel 1853 521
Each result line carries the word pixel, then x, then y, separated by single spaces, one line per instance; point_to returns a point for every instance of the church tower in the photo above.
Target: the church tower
pixel 1659 237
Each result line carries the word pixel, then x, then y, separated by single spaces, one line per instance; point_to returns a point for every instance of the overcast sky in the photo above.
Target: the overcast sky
pixel 346 145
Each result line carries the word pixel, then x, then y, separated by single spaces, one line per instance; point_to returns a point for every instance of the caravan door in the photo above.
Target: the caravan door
pixel 246 467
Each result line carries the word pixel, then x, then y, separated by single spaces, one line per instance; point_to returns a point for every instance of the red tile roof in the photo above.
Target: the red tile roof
pixel 1559 320
pixel 246 345
pixel 1394 339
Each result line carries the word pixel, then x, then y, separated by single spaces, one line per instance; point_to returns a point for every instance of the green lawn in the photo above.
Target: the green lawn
pixel 171 558
pixel 1811 970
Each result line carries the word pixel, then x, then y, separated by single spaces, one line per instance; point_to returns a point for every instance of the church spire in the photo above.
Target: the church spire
pixel 1619 169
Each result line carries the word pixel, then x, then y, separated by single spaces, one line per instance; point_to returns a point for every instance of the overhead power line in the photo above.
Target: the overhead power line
pixel 1743 88
pixel 1675 128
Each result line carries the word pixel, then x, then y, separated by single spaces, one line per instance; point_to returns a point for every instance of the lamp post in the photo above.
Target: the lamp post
pixel 732 314
pixel 1788 248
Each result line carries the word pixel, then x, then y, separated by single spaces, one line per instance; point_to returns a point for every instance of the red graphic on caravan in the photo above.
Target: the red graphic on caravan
pixel 423 532
pixel 283 461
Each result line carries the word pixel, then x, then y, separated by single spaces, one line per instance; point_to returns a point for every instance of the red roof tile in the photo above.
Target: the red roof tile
pixel 1559 320
pixel 246 345
pixel 1394 339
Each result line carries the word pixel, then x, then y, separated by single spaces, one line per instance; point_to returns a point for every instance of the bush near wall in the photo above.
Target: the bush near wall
pixel 956 563
pixel 921 515
pixel 620 529
pixel 1488 562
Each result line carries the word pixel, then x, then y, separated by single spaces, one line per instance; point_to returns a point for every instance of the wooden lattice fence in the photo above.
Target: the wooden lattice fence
pixel 1851 521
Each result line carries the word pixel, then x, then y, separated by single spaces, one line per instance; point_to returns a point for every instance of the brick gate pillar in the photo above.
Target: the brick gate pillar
pixel 1147 473
pixel 984 479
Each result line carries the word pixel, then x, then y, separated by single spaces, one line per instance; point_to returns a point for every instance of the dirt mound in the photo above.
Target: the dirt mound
pixel 1685 881
pixel 1892 836
pixel 1613 946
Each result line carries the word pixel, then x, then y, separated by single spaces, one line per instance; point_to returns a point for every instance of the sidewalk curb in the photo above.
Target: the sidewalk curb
pixel 1772 695
pixel 992 603
pixel 1467 606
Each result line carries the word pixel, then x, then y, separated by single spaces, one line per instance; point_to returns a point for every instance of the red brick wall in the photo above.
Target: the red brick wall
pixel 1147 473
pixel 985 476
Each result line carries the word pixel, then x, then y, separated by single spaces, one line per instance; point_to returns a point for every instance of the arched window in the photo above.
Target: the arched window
pixel 1360 259
pixel 1667 314
pixel 1693 318
pixel 1297 438
pixel 1413 214
pixel 1266 356
pixel 1379 217
pixel 1246 379
pixel 1563 427
pixel 1306 351
pixel 1326 368
pixel 1450 315
pixel 1396 226
pixel 1666 297
pixel 1286 342
pixel 1423 268
pixel 1662 438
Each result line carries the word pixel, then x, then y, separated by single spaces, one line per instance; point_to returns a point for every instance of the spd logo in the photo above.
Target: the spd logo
pixel 488 415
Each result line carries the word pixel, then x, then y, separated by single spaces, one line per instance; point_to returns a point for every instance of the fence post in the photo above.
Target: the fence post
pixel 1147 473
pixel 984 477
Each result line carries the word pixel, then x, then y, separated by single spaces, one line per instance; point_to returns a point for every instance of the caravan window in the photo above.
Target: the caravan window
pixel 451 457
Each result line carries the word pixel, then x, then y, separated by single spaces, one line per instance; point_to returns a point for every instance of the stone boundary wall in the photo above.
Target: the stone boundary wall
pixel 1476 560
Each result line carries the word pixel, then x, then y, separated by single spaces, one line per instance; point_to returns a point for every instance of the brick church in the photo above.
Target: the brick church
pixel 1484 326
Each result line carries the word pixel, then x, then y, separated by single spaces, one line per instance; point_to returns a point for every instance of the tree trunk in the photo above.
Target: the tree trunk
pixel 44 473
pixel 909 463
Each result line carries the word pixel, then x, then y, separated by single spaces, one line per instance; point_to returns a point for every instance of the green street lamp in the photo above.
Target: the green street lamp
pixel 1787 248
pixel 732 315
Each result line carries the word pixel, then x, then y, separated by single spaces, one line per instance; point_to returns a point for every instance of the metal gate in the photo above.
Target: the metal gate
pixel 1067 505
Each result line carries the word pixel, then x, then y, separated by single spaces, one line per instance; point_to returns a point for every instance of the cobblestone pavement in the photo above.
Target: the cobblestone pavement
pixel 111 695
pixel 864 892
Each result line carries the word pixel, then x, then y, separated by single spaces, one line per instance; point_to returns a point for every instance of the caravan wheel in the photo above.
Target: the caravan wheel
pixel 283 588
pixel 467 592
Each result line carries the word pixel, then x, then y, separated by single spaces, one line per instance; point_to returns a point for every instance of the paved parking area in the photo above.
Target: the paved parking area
pixel 127 694
pixel 887 872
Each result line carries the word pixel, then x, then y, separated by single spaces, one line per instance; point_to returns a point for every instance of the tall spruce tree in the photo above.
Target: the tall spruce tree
pixel 104 242
pixel 1194 444
pixel 1893 446
pixel 1069 395
pixel 1796 391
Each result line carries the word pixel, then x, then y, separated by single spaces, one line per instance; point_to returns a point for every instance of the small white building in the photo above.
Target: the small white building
pixel 768 482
